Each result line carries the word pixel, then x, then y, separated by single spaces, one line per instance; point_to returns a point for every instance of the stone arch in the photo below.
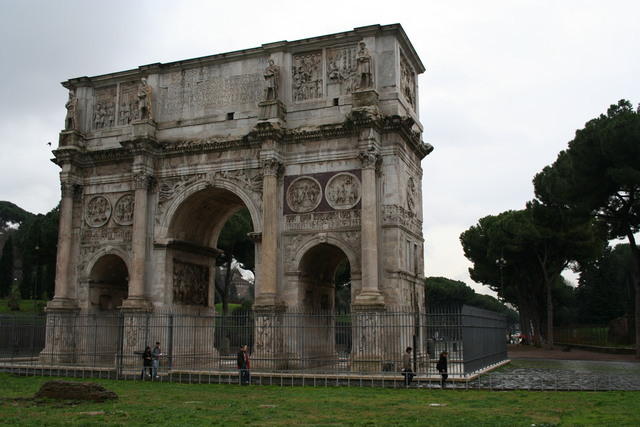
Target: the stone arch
pixel 223 184
pixel 191 230
pixel 108 281
pixel 352 257
pixel 107 250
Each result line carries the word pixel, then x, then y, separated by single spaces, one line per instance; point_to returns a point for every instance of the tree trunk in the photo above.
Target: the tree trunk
pixel 635 253
pixel 549 340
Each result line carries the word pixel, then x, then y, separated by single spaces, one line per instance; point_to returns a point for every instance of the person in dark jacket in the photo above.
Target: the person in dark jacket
pixel 442 368
pixel 407 370
pixel 244 365
pixel 146 362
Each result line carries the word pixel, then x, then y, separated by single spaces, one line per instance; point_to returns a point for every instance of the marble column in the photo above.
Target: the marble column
pixel 269 247
pixel 64 298
pixel 370 295
pixel 136 298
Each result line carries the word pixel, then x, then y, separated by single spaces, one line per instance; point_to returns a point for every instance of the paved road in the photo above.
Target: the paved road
pixel 538 374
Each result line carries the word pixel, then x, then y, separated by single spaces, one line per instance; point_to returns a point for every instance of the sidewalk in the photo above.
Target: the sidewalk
pixel 517 351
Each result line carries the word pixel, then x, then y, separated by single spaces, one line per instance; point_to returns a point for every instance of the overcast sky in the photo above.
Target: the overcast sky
pixel 507 83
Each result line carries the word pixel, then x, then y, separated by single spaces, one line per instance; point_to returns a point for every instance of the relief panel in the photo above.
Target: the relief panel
pixel 128 100
pixel 104 109
pixel 304 194
pixel 407 81
pixel 190 283
pixel 343 191
pixel 123 210
pixel 342 69
pixel 97 211
pixel 306 76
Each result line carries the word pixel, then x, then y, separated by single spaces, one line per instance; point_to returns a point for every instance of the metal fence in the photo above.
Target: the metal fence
pixel 289 342
pixel 591 335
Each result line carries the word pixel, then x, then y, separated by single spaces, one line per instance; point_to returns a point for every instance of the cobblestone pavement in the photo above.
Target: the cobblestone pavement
pixel 531 374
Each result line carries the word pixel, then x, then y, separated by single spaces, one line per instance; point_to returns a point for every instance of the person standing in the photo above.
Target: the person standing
pixel 441 366
pixel 244 365
pixel 146 362
pixel 407 370
pixel 155 356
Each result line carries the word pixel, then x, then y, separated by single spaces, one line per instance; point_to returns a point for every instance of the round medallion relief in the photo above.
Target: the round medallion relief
pixel 98 211
pixel 304 194
pixel 123 210
pixel 343 191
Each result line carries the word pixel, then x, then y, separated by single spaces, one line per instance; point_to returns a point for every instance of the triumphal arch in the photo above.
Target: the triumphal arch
pixel 318 138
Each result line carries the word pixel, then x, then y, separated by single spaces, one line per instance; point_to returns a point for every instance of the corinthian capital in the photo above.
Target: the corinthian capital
pixel 370 159
pixel 70 189
pixel 272 167
pixel 142 180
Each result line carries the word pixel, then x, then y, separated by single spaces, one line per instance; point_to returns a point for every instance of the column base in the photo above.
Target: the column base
pixel 268 303
pixel 136 304
pixel 369 301
pixel 62 304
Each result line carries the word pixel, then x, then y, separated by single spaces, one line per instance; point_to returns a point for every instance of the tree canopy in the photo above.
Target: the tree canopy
pixel 599 173
pixel 521 255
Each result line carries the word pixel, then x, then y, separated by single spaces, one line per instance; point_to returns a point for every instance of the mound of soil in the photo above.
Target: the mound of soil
pixel 75 391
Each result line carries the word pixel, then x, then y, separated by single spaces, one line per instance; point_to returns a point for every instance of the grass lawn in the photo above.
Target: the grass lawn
pixel 146 403
pixel 26 307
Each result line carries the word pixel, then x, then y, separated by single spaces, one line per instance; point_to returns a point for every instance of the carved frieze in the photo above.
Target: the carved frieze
pixel 123 210
pixel 399 216
pixel 190 283
pixel 343 191
pixel 313 221
pixel 92 236
pixel 407 81
pixel 304 194
pixel 411 195
pixel 249 180
pixel 98 211
pixel 342 68
pixel 307 76
pixel 104 109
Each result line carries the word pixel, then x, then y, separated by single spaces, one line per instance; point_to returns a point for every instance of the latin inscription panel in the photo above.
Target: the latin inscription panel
pixel 199 92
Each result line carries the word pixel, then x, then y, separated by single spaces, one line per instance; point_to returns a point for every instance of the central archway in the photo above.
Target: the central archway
pixel 192 246
pixel 191 254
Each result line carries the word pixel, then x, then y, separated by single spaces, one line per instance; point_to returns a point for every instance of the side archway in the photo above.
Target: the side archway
pixel 108 283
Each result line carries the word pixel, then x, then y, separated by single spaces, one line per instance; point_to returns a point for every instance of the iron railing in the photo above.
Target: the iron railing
pixel 285 342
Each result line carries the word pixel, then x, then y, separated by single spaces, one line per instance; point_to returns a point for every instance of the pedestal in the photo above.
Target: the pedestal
pixel 272 110
pixel 268 349
pixel 61 334
pixel 367 351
